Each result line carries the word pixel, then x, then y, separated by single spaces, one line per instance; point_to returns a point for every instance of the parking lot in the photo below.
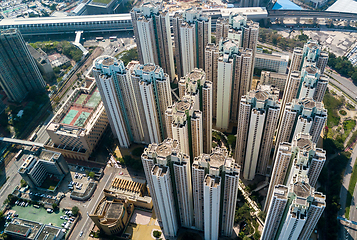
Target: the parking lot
pixel 57 218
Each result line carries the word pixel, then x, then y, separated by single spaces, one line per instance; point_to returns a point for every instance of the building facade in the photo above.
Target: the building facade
pixel 258 120
pixel 192 33
pixel 19 74
pixel 152 31
pixel 79 124
pixel 272 62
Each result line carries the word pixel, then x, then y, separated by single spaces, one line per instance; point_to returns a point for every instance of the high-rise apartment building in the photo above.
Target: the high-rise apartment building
pixel 184 123
pixel 190 119
pixel 161 180
pixel 206 201
pixel 230 65
pixel 153 94
pixel 304 157
pixel 165 164
pixel 302 115
pixel 135 98
pixel 305 78
pixel 215 200
pixel 152 30
pixel 192 33
pixel 19 74
pixel 233 81
pixel 258 120
pixel 116 90
pixel 294 210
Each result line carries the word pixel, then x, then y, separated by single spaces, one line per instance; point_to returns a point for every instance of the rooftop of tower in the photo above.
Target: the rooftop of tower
pixel 312 44
pixel 311 69
pixel 182 106
pixel 195 75
pixel 301 188
pixel 308 102
pixel 212 181
pixel 108 61
pixel 303 141
pixel 165 148
pixel 148 67
pixel 159 170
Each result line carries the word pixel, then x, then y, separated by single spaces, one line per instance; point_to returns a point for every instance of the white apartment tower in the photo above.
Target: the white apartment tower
pixel 116 89
pixel 305 78
pixel 151 28
pixel 233 81
pixel 176 168
pixel 302 115
pixel 195 86
pixel 212 169
pixel 152 86
pixel 192 33
pixel 184 123
pixel 165 200
pixel 211 206
pixel 305 159
pixel 302 206
pixel 257 122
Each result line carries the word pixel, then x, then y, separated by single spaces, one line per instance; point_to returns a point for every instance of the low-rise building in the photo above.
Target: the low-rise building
pixel 44 168
pixel 29 230
pixel 271 62
pixel 79 124
pixel 113 212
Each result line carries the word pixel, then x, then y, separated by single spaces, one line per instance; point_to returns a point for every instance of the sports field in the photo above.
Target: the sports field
pixel 81 99
pixel 93 100
pixel 81 119
pixel 69 117
pixel 39 215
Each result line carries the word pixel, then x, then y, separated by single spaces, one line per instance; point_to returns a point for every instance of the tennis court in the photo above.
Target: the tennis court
pixel 81 99
pixel 69 117
pixel 81 119
pixel 93 100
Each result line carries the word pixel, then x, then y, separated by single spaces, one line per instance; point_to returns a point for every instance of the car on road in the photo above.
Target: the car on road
pixel 81 233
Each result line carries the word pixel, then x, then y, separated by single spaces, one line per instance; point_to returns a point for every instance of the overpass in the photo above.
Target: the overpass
pixel 122 22
pixel 311 14
pixel 21 142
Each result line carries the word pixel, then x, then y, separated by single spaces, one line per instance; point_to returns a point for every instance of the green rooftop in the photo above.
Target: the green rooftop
pixel 101 1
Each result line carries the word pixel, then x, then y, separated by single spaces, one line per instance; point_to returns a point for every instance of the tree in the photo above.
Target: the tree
pixel 256 235
pixel 157 234
pixel 75 210
pixel 246 238
pixel 23 183
pixel 91 174
pixel 54 206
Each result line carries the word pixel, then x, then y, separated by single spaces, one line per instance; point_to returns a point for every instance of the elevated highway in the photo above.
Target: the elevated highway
pixel 310 14
pixel 122 22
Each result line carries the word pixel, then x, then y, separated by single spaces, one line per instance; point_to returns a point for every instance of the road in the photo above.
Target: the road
pixel 344 84
pixel 85 224
pixel 349 231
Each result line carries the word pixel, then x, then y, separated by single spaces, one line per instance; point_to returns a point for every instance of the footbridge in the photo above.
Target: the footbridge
pixel 21 142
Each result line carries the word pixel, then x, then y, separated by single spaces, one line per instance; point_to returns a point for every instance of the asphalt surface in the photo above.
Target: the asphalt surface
pixel 85 224
pixel 344 84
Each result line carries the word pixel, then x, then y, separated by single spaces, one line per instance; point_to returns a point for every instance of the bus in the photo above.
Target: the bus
pixel 99 38
pixel 113 38
pixel 33 137
pixel 122 42
pixel 18 155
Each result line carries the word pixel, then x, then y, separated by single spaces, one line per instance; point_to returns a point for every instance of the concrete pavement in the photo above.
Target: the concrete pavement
pixel 344 84
pixel 85 224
